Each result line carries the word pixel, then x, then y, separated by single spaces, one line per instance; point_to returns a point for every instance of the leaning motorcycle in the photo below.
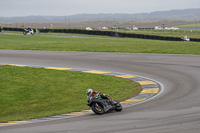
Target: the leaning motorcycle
pixel 101 106
pixel 28 32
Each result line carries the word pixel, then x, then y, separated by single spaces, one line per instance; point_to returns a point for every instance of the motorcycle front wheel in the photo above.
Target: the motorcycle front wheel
pixel 118 107
pixel 97 108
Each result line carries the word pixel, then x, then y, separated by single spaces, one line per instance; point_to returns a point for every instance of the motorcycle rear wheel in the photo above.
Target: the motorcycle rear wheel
pixel 97 108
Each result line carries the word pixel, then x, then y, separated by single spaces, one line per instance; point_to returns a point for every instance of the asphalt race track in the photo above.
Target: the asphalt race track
pixel 175 110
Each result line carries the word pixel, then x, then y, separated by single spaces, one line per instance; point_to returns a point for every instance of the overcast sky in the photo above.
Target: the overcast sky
pixel 10 8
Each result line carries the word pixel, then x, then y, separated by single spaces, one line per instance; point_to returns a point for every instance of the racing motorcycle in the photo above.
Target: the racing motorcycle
pixel 28 32
pixel 185 38
pixel 101 106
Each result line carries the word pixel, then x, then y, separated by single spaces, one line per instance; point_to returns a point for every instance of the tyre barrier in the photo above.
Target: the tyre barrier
pixel 106 33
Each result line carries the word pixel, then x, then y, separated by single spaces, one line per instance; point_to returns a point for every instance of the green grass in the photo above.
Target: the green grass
pixel 61 34
pixel 27 92
pixel 130 45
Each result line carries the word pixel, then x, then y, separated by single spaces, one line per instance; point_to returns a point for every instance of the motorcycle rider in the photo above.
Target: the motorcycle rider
pixel 185 38
pixel 92 93
pixel 29 28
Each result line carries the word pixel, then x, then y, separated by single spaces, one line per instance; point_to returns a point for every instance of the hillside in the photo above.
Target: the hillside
pixel 186 14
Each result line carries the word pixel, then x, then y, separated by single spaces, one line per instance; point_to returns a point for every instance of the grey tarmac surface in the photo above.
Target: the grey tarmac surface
pixel 175 110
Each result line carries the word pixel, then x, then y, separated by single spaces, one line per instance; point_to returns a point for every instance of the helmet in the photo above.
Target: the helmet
pixel 89 91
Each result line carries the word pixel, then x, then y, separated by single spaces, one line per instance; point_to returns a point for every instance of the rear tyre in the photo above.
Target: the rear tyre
pixel 97 108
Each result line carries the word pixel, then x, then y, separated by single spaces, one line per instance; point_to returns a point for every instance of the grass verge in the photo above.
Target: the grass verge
pixel 27 92
pixel 130 45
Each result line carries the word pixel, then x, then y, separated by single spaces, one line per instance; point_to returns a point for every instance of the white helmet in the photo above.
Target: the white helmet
pixel 89 91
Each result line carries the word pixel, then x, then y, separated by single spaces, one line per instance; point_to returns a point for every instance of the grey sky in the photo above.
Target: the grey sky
pixel 70 7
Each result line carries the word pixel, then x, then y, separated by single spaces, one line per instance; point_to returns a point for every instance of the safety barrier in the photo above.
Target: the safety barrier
pixel 107 33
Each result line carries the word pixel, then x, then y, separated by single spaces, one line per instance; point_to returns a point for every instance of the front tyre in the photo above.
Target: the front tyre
pixel 24 32
pixel 118 107
pixel 97 108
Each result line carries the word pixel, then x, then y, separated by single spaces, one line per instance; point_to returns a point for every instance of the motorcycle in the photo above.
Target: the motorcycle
pixel 185 38
pixel 101 106
pixel 28 32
